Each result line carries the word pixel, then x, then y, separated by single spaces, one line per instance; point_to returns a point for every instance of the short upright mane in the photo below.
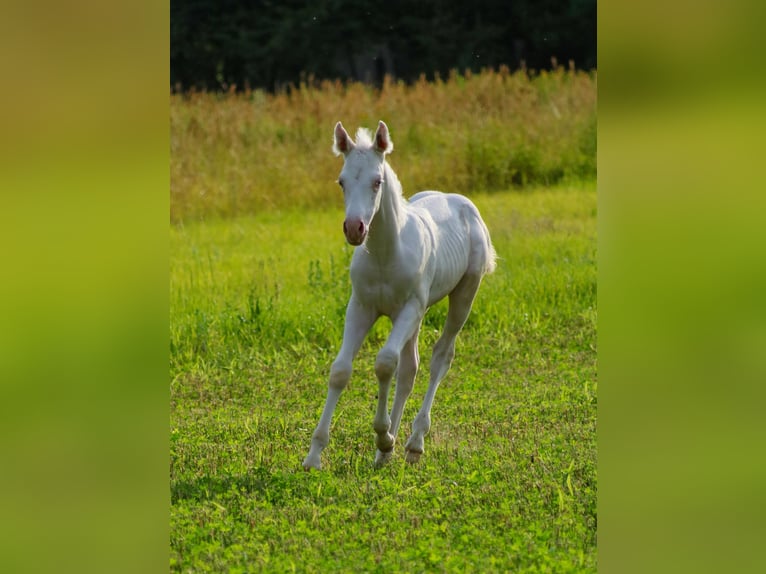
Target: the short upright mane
pixel 363 137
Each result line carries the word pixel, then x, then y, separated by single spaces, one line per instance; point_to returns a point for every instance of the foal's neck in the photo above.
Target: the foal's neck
pixel 383 239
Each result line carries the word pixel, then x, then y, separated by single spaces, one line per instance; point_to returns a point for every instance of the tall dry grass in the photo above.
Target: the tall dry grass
pixel 251 152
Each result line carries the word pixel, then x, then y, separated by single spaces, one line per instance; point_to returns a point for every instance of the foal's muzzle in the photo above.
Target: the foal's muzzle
pixel 355 231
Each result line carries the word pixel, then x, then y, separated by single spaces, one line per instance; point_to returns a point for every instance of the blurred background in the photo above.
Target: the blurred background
pixel 218 44
pixel 480 97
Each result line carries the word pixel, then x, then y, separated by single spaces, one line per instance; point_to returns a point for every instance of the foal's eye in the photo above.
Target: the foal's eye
pixel 377 183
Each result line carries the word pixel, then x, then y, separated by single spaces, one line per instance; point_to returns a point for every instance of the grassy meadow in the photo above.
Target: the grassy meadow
pixel 258 287
pixel 254 152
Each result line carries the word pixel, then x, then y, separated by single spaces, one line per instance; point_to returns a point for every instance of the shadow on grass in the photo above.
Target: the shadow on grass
pixel 270 485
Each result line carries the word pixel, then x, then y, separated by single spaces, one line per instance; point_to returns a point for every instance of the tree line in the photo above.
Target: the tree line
pixel 219 44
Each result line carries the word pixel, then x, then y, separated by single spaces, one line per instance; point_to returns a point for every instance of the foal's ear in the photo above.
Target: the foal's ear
pixel 342 143
pixel 382 142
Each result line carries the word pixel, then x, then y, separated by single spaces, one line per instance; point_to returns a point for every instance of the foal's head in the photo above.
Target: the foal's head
pixel 361 177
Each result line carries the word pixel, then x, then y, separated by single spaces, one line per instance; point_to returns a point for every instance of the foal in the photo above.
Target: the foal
pixel 409 255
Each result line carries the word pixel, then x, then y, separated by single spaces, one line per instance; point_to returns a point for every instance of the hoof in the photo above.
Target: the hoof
pixel 385 442
pixel 311 463
pixel 412 456
pixel 383 458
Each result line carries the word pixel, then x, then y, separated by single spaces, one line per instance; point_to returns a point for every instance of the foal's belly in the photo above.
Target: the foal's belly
pixel 449 269
pixel 444 216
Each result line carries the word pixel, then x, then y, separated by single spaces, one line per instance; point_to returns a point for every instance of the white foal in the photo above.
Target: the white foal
pixel 409 256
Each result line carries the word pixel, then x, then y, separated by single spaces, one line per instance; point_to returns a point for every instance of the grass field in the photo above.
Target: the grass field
pixel 508 478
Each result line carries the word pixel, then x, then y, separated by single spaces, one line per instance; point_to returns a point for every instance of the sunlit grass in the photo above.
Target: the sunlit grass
pixel 251 152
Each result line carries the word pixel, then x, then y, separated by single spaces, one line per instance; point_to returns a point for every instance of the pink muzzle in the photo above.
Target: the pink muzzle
pixel 355 231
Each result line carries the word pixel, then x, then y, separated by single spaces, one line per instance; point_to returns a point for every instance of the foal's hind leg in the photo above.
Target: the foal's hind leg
pixel 460 301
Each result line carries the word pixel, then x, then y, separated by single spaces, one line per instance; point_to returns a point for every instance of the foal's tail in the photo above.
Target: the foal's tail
pixel 490 263
pixel 480 238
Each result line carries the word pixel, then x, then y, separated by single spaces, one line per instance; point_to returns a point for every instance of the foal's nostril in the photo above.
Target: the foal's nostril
pixel 355 230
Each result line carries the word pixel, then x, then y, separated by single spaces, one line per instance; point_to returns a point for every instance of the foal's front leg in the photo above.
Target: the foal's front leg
pixel 359 319
pixel 405 325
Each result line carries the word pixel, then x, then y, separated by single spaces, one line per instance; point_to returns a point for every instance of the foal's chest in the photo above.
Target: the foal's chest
pixel 385 288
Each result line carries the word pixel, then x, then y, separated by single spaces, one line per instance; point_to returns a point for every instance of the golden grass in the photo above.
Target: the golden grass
pixel 252 152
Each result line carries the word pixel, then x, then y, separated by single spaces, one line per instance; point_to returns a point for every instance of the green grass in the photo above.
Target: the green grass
pixel 508 478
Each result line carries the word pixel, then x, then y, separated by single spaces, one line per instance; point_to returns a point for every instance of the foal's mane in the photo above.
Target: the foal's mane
pixel 364 141
pixel 363 137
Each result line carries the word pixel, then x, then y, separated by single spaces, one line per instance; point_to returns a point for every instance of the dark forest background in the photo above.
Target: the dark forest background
pixel 218 44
